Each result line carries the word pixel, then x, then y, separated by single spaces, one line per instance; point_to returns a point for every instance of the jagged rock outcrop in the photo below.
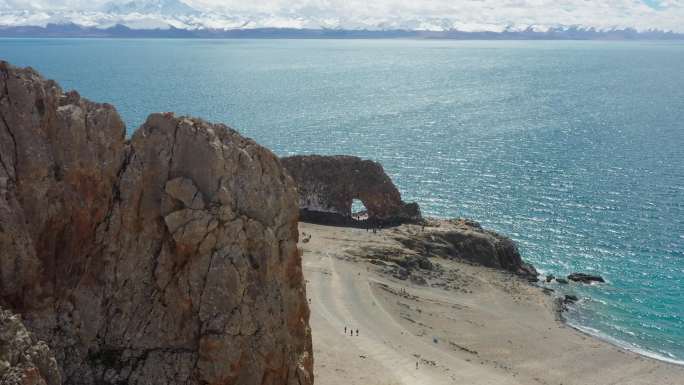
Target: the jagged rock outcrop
pixel 23 359
pixel 170 258
pixel 586 278
pixel 328 185
pixel 467 240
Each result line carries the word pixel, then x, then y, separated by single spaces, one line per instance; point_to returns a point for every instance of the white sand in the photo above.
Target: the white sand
pixel 495 329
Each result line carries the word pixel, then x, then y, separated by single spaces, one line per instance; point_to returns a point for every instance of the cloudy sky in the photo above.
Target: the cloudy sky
pixel 414 14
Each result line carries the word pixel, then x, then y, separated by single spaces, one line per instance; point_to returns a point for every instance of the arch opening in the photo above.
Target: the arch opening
pixel 359 212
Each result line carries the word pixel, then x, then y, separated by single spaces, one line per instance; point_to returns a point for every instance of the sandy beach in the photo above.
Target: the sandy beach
pixel 466 325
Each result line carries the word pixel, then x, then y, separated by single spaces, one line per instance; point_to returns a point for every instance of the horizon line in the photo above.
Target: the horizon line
pixel 73 30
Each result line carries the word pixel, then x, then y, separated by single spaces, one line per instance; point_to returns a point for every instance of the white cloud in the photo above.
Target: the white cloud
pixel 427 14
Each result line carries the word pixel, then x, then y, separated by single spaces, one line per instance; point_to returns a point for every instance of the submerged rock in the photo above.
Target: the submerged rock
pixel 167 259
pixel 328 185
pixel 570 298
pixel 585 278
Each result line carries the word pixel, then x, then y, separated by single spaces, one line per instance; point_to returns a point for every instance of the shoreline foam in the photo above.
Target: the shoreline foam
pixel 595 333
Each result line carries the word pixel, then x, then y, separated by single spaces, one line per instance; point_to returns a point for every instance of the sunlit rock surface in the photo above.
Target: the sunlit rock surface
pixel 167 259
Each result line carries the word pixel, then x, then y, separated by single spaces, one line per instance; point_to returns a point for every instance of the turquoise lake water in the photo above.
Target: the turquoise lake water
pixel 575 149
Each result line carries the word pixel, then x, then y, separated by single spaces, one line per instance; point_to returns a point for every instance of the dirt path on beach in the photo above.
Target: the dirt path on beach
pixel 345 298
pixel 495 330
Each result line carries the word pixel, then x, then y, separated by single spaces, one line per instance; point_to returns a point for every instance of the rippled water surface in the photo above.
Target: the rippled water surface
pixel 575 149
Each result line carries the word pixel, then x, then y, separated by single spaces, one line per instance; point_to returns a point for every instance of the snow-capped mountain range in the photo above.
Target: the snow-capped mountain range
pixel 25 17
pixel 151 7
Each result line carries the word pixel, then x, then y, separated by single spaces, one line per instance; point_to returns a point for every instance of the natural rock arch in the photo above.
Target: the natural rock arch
pixel 327 186
pixel 359 210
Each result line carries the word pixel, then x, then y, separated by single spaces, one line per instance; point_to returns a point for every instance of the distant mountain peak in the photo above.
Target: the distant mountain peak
pixel 159 7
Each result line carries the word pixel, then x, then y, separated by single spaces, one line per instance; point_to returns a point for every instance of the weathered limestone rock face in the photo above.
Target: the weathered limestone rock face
pixel 167 259
pixel 23 359
pixel 328 185
pixel 467 240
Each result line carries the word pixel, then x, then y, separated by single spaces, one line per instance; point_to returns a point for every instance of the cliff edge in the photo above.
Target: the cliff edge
pixel 170 258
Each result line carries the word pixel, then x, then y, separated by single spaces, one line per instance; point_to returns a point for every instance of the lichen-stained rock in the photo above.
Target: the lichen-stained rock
pixel 59 157
pixel 23 359
pixel 328 185
pixel 167 259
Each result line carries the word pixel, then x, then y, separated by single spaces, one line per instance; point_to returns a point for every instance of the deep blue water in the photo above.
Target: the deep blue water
pixel 575 149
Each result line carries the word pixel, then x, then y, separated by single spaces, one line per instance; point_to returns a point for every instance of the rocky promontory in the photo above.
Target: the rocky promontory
pixel 328 185
pixel 413 251
pixel 169 258
pixel 466 240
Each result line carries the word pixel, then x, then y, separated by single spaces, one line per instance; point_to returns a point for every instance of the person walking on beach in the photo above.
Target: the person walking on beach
pixel 416 365
pixel 345 330
pixel 351 332
pixel 357 332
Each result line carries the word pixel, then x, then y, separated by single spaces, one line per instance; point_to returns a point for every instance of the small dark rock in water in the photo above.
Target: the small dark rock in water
pixel 562 281
pixel 570 298
pixel 585 278
pixel 548 291
pixel 550 278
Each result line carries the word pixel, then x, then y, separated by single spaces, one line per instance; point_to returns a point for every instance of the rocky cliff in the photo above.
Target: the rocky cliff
pixel 169 258
pixel 328 185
